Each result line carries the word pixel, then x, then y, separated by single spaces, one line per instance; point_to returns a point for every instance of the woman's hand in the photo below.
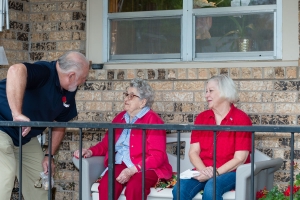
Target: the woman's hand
pixel 86 153
pixel 205 174
pixel 208 171
pixel 201 178
pixel 125 175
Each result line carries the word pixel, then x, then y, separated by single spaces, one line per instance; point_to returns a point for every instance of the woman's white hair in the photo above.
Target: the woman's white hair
pixel 227 87
pixel 144 89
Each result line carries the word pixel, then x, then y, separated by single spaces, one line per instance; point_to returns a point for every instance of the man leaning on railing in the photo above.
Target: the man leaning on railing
pixel 41 91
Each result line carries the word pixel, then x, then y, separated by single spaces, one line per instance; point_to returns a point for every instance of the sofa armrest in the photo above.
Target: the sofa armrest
pixel 263 177
pixel 91 169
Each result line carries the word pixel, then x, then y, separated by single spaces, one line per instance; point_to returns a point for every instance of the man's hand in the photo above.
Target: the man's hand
pixel 86 153
pixel 22 118
pixel 125 175
pixel 57 137
pixel 45 165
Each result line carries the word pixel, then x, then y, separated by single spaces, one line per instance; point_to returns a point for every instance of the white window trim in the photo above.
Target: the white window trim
pixel 97 32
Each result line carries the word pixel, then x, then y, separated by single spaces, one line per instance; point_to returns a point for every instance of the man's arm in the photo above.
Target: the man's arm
pixel 57 137
pixel 15 89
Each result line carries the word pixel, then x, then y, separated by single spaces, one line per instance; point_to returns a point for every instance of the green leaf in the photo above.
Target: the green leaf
pixel 275 194
pixel 239 27
pixel 297 182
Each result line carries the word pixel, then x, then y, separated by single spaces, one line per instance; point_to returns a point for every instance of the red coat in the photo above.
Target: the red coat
pixel 156 155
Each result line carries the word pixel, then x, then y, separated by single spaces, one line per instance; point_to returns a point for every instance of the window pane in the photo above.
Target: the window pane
pixel 262 2
pixel 242 33
pixel 145 36
pixel 143 5
pixel 228 3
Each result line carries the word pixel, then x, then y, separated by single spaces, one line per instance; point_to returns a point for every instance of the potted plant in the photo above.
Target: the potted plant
pixel 276 194
pixel 243 32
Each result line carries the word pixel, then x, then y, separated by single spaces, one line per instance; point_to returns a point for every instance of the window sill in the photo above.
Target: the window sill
pixel 223 64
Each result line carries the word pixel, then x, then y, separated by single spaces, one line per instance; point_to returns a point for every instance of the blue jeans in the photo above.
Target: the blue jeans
pixel 189 188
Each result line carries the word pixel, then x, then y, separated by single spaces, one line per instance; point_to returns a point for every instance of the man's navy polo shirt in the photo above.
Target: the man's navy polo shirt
pixel 42 100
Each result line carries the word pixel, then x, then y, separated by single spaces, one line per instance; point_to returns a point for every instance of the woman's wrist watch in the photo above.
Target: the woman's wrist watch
pixel 217 172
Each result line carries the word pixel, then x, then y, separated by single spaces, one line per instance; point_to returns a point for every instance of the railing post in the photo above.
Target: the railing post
pixel 214 170
pixel 292 166
pixel 178 163
pixel 80 164
pixel 252 165
pixel 49 167
pixel 143 164
pixel 111 163
pixel 20 163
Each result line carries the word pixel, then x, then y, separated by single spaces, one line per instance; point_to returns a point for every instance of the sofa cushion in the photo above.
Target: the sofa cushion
pixel 162 190
pixel 162 194
pixel 95 187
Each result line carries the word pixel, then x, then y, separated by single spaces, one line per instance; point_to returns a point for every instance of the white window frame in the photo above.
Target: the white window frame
pixel 286 54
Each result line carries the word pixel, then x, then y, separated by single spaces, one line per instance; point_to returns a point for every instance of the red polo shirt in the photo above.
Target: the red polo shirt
pixel 227 141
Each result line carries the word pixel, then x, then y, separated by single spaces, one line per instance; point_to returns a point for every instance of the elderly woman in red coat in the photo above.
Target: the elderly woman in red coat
pixel 128 146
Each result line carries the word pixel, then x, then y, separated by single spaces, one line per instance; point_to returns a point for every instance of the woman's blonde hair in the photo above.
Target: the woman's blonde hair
pixel 227 87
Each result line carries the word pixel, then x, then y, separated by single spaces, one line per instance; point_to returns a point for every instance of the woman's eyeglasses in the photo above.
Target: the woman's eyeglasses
pixel 129 96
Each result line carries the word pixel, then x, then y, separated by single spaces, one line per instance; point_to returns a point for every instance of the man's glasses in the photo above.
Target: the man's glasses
pixel 129 96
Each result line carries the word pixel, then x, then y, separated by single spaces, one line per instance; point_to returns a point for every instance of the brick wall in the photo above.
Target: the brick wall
pixel 43 30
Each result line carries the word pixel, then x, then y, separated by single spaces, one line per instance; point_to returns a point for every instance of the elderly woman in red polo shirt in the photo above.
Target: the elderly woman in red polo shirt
pixel 233 148
pixel 128 146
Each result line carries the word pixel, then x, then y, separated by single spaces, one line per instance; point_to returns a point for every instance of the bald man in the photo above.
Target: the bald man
pixel 40 91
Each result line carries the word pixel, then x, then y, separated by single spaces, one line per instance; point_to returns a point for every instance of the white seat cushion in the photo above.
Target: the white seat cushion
pixel 95 187
pixel 155 194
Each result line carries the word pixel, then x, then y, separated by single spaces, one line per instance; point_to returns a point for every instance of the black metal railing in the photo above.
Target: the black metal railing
pixel 171 127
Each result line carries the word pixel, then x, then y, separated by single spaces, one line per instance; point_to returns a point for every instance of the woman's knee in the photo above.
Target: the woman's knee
pixel 208 192
pixel 186 192
pixel 174 192
pixel 135 192
pixel 183 194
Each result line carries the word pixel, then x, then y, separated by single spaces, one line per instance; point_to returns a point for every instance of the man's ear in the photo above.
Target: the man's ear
pixel 72 76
